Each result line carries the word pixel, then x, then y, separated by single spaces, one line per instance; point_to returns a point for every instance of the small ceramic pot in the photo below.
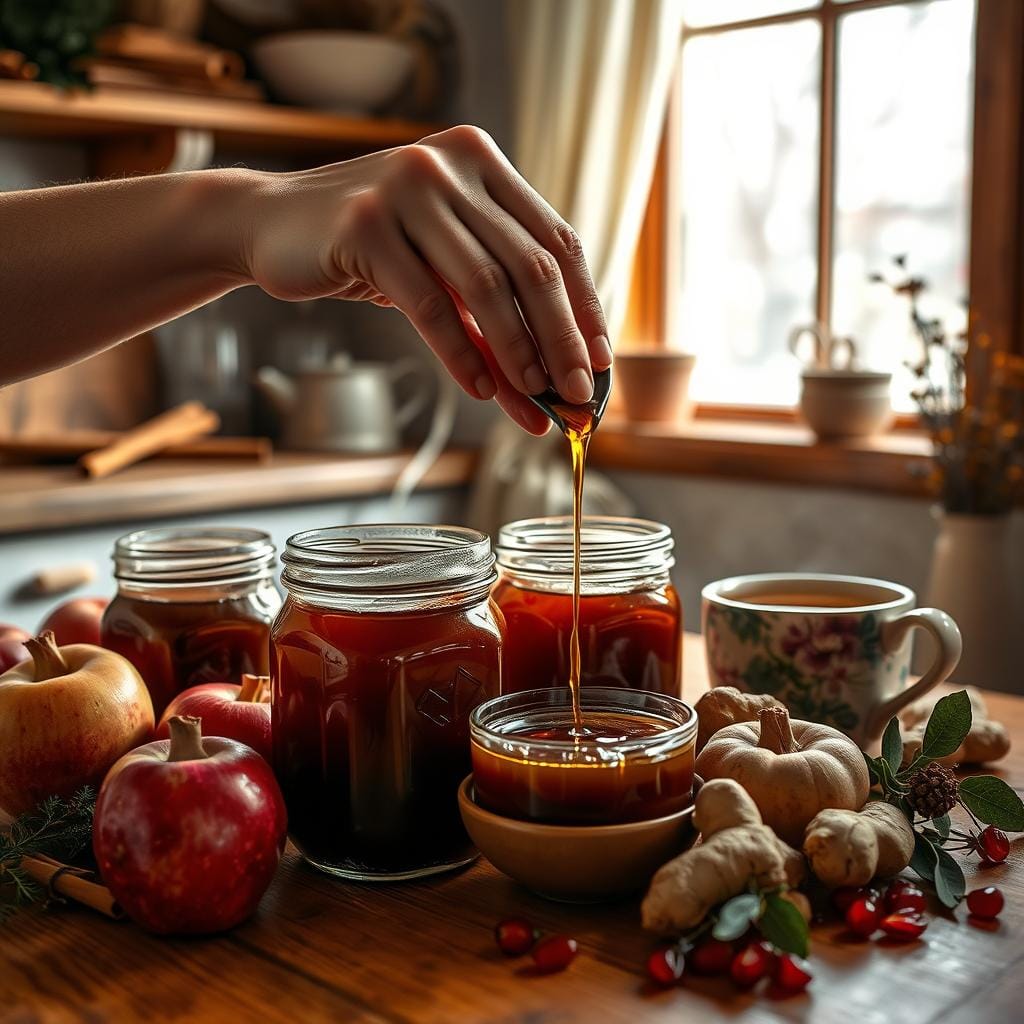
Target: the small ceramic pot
pixel 654 384
pixel 845 403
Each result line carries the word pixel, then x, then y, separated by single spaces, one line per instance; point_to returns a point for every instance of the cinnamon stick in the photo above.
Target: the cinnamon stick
pixel 183 423
pixel 71 882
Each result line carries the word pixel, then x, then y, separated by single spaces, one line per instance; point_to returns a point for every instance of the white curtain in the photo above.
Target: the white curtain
pixel 592 80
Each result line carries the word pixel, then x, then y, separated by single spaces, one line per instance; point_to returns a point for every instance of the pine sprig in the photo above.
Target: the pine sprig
pixel 57 828
pixel 986 799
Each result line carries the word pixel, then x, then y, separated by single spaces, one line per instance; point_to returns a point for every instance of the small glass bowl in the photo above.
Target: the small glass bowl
pixel 636 763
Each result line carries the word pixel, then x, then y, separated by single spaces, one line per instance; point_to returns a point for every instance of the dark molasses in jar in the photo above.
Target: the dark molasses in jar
pixel 387 641
pixel 194 605
pixel 632 759
pixel 630 617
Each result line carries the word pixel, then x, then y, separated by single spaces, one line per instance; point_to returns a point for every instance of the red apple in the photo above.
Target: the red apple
pixel 76 621
pixel 188 832
pixel 66 715
pixel 12 646
pixel 240 713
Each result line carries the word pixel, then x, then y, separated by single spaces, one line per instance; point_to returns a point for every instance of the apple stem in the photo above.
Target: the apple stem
pixel 186 738
pixel 253 688
pixel 46 655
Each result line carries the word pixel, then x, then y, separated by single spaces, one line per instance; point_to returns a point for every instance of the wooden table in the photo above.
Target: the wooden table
pixel 320 950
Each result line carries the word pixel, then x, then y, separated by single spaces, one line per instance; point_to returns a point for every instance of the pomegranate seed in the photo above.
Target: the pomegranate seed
pixel 906 897
pixel 993 845
pixel 751 964
pixel 555 953
pixel 986 903
pixel 515 936
pixel 665 966
pixel 712 956
pixel 905 927
pixel 844 896
pixel 791 974
pixel 863 916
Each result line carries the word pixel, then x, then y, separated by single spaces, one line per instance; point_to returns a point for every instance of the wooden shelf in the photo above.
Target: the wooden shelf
pixel 37 110
pixel 53 497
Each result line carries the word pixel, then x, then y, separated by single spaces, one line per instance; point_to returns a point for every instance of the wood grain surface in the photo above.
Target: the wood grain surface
pixel 322 950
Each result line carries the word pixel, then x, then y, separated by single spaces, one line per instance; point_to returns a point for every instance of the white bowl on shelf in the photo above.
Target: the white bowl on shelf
pixel 345 72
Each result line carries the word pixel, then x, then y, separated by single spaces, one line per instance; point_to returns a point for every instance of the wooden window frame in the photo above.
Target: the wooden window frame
pixel 996 246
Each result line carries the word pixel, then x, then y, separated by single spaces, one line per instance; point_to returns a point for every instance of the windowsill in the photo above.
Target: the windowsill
pixel 782 452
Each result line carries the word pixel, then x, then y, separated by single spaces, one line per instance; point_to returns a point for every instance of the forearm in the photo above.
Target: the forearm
pixel 83 267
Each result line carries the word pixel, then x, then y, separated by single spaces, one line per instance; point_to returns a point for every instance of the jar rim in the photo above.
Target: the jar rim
pixel 389 566
pixel 615 550
pixel 487 718
pixel 194 555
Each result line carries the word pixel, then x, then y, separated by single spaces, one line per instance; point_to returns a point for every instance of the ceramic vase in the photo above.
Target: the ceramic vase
pixel 977 576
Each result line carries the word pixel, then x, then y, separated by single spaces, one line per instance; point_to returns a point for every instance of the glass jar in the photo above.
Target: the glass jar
pixel 194 605
pixel 632 761
pixel 631 621
pixel 387 641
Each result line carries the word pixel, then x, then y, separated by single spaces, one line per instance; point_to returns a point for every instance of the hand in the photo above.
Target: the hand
pixel 447 231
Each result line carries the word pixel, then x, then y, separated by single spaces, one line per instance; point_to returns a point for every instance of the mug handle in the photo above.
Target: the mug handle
pixel 947 636
pixel 414 369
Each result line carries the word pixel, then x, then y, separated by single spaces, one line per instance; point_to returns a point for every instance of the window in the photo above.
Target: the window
pixel 814 140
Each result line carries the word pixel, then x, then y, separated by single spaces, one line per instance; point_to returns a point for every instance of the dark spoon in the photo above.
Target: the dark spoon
pixel 549 401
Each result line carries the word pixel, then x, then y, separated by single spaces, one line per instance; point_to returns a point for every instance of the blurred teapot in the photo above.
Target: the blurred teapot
pixel 344 406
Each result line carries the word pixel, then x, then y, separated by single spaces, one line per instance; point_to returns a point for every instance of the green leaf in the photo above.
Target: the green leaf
pixel 949 878
pixel 949 723
pixel 892 744
pixel 783 925
pixel 994 802
pixel 942 825
pixel 925 858
pixel 736 916
pixel 872 774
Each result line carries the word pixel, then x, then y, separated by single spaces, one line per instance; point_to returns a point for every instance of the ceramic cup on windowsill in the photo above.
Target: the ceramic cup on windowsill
pixel 842 404
pixel 654 384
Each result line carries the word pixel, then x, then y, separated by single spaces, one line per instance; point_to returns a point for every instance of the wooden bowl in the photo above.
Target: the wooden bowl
pixel 577 863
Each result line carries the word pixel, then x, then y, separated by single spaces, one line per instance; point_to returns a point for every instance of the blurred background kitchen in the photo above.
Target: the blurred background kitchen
pixel 786 203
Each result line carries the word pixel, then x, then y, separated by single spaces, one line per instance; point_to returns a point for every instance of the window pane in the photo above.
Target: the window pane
pixel 902 172
pixel 749 197
pixel 717 12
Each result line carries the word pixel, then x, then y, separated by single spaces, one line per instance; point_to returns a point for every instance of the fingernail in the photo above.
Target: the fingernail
pixel 535 379
pixel 578 386
pixel 601 351
pixel 485 387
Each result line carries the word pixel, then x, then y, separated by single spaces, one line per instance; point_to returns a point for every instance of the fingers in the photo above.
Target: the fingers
pixel 510 191
pixel 409 285
pixel 541 294
pixel 483 285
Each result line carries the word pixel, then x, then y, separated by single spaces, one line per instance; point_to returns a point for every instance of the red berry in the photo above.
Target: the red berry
pixel 844 896
pixel 791 974
pixel 665 966
pixel 863 916
pixel 993 845
pixel 554 953
pixel 751 964
pixel 515 936
pixel 905 927
pixel 712 956
pixel 986 903
pixel 905 897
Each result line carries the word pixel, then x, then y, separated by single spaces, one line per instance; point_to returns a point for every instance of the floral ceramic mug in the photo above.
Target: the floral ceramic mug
pixel 833 649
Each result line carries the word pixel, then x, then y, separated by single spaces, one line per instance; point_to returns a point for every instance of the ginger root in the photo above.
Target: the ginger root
pixel 852 847
pixel 987 740
pixel 725 705
pixel 736 850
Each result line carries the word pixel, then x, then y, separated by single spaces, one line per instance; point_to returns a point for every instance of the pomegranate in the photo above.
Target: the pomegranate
pixel 188 832
pixel 240 713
